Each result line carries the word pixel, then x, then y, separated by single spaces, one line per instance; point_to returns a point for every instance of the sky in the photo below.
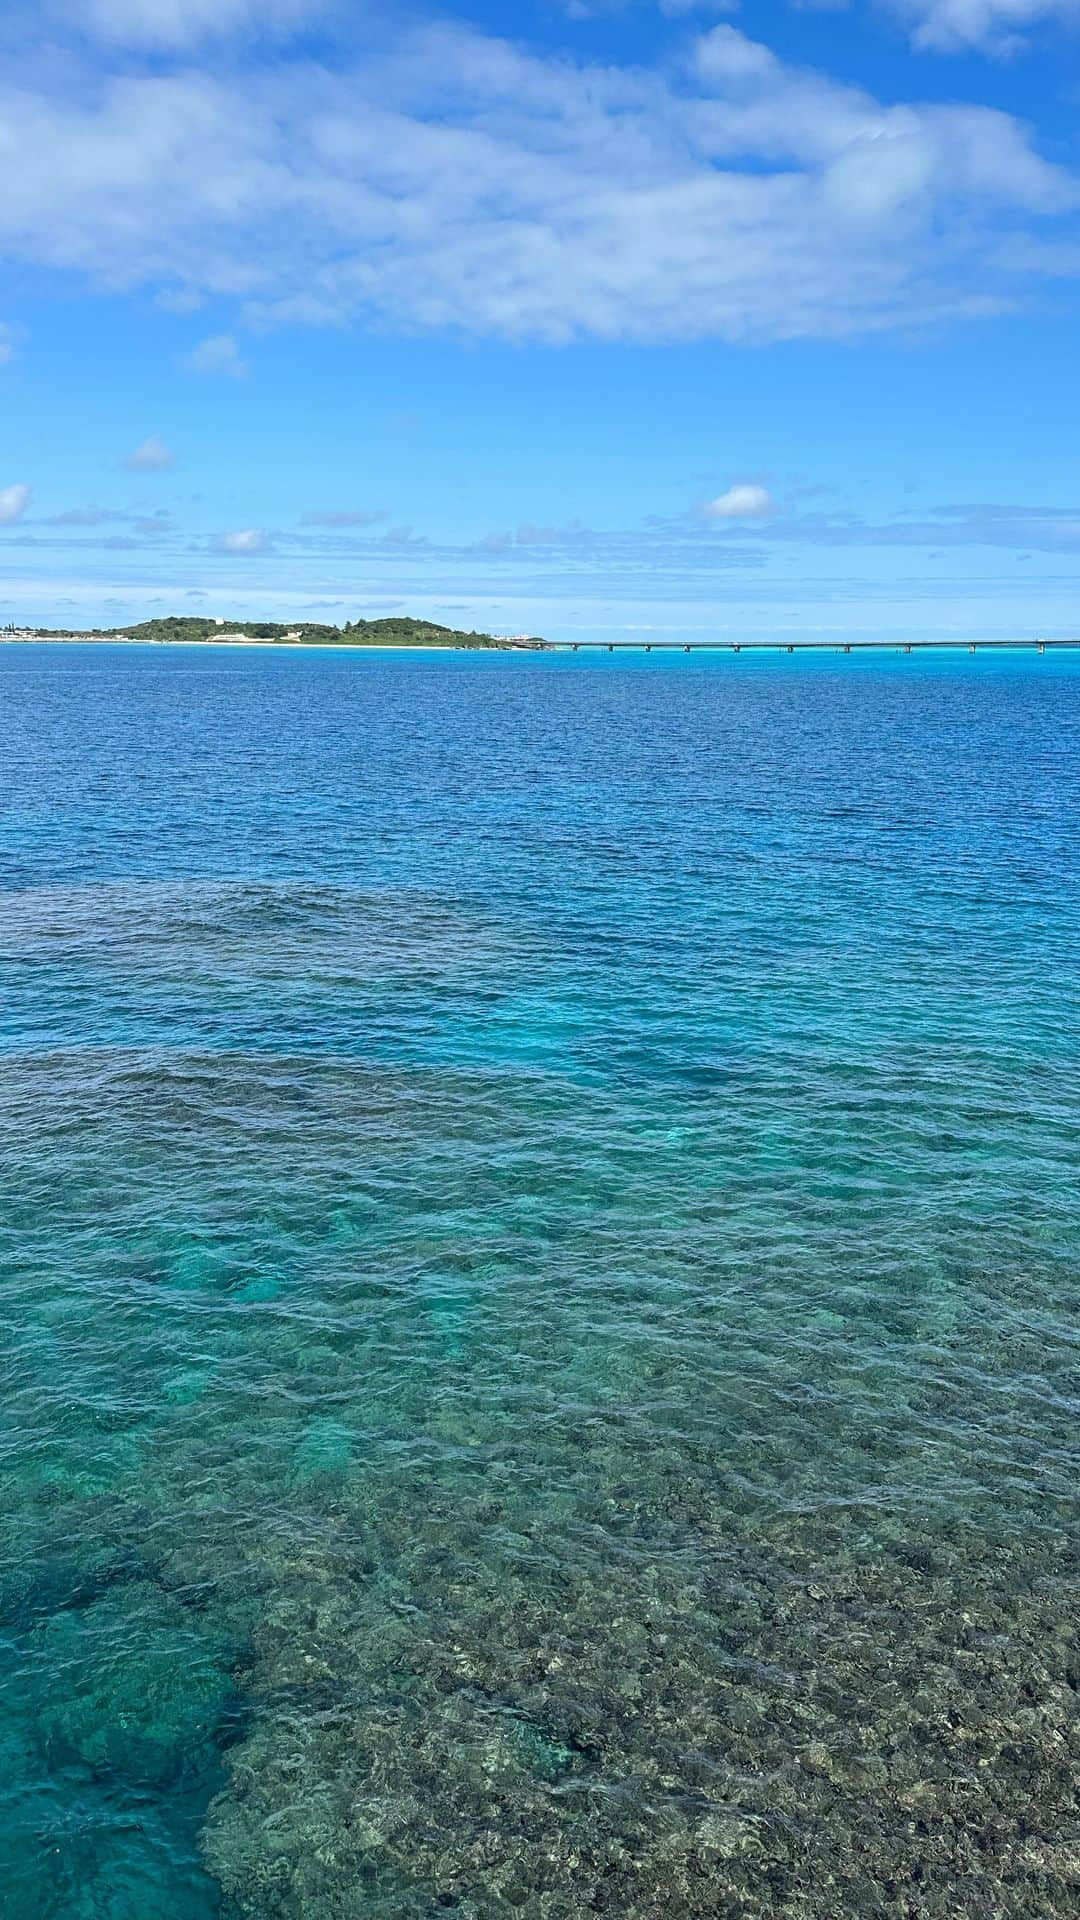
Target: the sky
pixel 594 319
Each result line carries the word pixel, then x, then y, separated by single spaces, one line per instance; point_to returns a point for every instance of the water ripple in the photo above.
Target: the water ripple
pixel 539 1244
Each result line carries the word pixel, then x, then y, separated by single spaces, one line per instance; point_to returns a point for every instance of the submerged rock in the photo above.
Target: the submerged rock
pixel 130 1686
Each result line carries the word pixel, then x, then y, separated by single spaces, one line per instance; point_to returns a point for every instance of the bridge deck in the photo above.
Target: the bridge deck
pixel 800 646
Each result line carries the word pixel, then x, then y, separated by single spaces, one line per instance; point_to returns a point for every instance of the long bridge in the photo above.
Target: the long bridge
pixel 798 646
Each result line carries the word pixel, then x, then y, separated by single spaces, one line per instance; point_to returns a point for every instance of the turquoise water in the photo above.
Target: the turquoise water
pixel 540 1225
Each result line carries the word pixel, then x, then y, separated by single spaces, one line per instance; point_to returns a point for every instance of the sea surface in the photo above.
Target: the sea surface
pixel 540 1238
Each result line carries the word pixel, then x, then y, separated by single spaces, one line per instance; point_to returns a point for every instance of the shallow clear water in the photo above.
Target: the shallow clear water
pixel 540 1229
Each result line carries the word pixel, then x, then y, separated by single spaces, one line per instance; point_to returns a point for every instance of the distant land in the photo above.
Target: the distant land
pixel 395 631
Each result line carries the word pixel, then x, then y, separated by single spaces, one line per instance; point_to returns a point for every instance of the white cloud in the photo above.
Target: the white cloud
pixel 179 24
pixel 218 354
pixel 13 503
pixel 676 9
pixel 454 181
pixel 992 26
pixel 153 456
pixel 741 502
pixel 246 540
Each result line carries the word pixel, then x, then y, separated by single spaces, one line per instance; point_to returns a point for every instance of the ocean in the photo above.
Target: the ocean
pixel 540 1243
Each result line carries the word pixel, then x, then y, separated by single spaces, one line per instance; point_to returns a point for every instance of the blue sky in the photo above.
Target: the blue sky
pixel 598 318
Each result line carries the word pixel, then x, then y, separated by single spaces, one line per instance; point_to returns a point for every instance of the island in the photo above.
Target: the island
pixel 397 630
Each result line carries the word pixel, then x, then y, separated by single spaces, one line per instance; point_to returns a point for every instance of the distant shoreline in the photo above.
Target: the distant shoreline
pixel 248 646
pixel 387 631
pixel 269 646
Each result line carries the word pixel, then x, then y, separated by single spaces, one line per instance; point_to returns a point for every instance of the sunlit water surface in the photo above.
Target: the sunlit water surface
pixel 539 1221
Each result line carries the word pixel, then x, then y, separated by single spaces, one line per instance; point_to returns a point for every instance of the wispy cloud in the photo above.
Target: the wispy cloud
pixel 529 535
pixel 344 517
pixel 218 354
pixel 84 517
pixel 14 501
pixel 1014 527
pixel 674 9
pixel 669 549
pixel 152 456
pixel 1047 529
pixel 182 24
pixel 997 27
pixel 455 181
pixel 145 525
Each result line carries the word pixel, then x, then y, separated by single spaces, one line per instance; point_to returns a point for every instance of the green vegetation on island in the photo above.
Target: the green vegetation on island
pixel 397 630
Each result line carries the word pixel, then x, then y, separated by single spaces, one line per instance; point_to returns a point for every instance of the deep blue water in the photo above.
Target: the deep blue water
pixel 539 1227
